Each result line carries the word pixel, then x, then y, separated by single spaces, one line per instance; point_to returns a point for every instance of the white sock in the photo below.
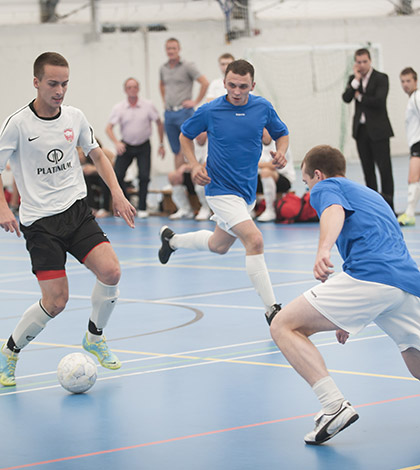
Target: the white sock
pixel 192 240
pixel 33 321
pixel 413 198
pixel 258 273
pixel 103 300
pixel 269 190
pixel 180 198
pixel 328 394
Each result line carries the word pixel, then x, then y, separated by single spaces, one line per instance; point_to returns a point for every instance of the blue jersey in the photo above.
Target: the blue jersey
pixel 234 142
pixel 371 242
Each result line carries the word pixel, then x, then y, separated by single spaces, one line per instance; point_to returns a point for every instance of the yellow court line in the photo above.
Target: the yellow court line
pixel 233 361
pixel 410 468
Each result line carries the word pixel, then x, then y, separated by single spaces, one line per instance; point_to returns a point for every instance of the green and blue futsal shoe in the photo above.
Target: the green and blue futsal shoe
pixel 7 368
pixel 405 220
pixel 100 349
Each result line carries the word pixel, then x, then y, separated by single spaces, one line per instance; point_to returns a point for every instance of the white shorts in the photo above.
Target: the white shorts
pixel 352 304
pixel 229 210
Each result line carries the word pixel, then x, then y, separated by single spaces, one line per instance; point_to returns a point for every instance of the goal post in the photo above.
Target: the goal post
pixel 305 84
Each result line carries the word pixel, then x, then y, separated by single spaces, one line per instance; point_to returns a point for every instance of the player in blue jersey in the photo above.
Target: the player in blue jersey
pixel 380 282
pixel 234 124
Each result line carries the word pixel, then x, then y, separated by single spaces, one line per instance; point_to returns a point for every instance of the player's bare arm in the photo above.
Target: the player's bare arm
pixel 279 156
pixel 121 206
pixel 198 172
pixel 8 221
pixel 330 226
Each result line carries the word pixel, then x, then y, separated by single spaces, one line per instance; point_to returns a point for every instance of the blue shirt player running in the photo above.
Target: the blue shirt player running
pixel 380 283
pixel 234 124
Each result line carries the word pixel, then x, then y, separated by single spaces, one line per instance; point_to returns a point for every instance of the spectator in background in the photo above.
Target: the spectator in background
pixel 371 127
pixel 408 79
pixel 134 116
pixel 217 86
pixel 273 180
pixel 176 83
pixel 98 194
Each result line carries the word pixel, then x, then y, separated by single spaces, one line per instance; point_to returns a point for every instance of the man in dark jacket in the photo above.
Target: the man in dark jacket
pixel 371 126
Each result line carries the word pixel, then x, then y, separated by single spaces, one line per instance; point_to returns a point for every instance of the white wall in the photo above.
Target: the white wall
pixel 98 69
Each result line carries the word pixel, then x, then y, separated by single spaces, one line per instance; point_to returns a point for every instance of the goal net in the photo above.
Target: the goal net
pixel 305 84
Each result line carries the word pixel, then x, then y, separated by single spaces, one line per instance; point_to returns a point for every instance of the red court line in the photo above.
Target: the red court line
pixel 191 436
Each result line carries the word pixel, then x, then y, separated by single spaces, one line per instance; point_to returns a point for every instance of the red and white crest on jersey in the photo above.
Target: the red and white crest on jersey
pixel 69 135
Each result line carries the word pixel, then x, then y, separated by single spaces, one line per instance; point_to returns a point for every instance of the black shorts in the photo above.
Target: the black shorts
pixel 74 231
pixel 282 185
pixel 415 150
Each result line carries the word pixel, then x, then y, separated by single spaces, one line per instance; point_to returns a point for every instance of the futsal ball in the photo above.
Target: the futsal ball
pixel 77 372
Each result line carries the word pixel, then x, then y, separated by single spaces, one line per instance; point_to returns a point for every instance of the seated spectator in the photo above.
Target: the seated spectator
pixel 98 194
pixel 182 185
pixel 271 180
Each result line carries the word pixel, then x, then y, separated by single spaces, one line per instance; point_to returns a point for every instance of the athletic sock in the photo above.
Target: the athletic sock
pixel 258 273
pixel 33 321
pixel 328 394
pixel 180 198
pixel 269 190
pixel 103 299
pixel 413 198
pixel 192 240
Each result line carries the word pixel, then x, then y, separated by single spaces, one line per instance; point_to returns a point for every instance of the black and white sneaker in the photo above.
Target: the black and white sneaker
pixel 327 426
pixel 274 310
pixel 165 250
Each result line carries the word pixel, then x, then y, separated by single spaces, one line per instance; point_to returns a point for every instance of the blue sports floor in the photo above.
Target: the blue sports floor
pixel 202 386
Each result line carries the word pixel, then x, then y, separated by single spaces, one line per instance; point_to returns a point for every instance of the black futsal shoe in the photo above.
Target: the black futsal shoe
pixel 274 310
pixel 165 250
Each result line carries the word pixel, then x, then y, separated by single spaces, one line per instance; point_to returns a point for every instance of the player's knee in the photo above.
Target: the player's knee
pixel 255 243
pixel 218 248
pixel 277 329
pixel 56 304
pixel 111 275
pixel 173 178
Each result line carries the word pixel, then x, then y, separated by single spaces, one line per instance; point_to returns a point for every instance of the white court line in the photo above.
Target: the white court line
pixel 185 366
pixel 167 300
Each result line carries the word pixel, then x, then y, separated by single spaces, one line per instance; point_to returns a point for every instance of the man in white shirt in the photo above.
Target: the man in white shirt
pixel 217 86
pixel 40 140
pixel 408 79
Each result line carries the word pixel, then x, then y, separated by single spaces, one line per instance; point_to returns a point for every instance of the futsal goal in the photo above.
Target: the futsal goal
pixel 305 84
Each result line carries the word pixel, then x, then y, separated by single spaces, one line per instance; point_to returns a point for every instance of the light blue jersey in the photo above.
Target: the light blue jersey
pixel 234 136
pixel 371 242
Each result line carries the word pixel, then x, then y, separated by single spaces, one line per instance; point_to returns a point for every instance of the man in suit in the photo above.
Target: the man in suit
pixel 371 126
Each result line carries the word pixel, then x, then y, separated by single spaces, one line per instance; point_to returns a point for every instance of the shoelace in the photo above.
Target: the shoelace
pixel 102 346
pixel 11 364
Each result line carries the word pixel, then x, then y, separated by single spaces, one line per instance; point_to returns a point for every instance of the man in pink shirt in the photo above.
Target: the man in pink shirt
pixel 134 116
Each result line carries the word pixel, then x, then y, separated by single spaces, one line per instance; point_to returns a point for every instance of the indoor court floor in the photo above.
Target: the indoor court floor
pixel 202 386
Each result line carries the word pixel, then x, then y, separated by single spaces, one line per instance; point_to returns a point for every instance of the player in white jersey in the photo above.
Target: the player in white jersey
pixel 40 142
pixel 217 86
pixel 408 79
pixel 272 180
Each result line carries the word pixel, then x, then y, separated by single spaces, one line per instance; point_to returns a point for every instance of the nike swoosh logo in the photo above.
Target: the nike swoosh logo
pixel 33 138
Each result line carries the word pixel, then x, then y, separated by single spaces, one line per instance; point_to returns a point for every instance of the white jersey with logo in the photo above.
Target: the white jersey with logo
pixel 412 119
pixel 44 159
pixel 289 170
